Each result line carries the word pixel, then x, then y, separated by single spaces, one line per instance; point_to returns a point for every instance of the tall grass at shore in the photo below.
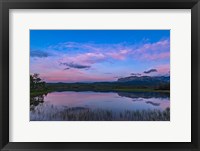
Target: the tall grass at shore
pixel 47 112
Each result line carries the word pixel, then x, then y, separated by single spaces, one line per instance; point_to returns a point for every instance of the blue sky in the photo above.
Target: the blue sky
pixel 98 55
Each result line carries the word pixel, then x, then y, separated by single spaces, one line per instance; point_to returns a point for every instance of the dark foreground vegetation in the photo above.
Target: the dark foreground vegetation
pixel 106 87
pixel 138 84
pixel 46 112
pixel 37 86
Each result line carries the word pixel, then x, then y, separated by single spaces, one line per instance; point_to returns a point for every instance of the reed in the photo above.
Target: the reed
pixel 47 112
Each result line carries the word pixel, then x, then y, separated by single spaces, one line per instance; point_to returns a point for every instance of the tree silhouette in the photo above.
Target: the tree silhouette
pixel 36 84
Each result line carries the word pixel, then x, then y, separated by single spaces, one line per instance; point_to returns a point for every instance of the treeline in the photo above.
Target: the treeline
pixel 163 86
pixel 37 86
pixel 107 86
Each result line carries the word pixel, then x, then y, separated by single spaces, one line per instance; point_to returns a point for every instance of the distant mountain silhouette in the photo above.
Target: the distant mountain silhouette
pixel 145 80
pixel 125 84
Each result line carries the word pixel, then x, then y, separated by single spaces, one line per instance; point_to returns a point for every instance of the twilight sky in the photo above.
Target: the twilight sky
pixel 98 55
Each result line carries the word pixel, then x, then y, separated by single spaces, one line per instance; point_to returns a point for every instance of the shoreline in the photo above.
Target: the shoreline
pixel 37 93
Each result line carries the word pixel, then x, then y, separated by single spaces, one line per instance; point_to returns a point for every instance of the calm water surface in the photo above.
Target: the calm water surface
pixel 71 105
pixel 110 100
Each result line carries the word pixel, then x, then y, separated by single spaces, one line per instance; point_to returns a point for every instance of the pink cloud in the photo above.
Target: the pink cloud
pixel 86 58
pixel 119 55
pixel 162 45
pixel 61 75
pixel 51 70
pixel 44 64
pixel 163 69
pixel 153 51
pixel 164 55
pixel 95 53
pixel 73 75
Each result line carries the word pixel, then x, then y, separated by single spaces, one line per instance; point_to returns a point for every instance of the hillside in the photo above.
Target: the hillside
pixel 127 84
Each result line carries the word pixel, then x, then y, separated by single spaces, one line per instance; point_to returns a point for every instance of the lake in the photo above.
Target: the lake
pixel 100 106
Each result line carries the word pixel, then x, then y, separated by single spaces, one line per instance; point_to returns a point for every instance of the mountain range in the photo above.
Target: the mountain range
pixel 137 79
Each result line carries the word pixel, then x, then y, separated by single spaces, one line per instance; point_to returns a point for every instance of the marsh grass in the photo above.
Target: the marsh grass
pixel 47 112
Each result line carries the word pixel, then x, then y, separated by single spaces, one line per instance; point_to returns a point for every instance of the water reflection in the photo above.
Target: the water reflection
pixel 116 104
pixel 145 95
pixel 36 100
pixel 152 103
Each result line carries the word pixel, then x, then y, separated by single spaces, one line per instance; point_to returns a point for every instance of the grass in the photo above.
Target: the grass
pixel 38 93
pixel 47 112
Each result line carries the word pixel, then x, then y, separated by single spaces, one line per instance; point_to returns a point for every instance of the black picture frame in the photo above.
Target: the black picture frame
pixel 5 5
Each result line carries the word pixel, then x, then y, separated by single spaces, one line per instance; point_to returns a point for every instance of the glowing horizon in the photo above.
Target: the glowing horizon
pixel 98 55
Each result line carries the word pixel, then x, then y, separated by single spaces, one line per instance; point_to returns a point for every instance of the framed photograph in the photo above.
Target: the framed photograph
pixel 91 75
